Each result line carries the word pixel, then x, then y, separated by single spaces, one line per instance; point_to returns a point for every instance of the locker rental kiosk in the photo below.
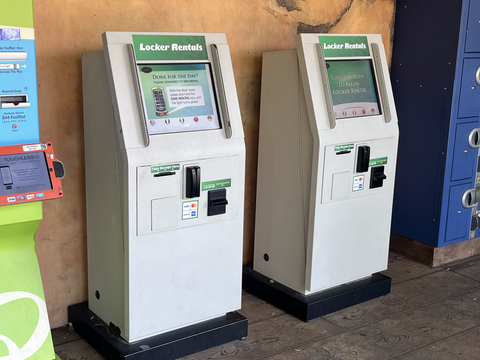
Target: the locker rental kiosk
pixel 326 168
pixel 165 167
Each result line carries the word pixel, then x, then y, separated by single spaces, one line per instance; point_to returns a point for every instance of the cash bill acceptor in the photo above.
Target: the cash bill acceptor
pixel 326 168
pixel 165 168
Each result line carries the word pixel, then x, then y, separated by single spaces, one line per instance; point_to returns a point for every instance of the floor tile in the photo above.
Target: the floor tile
pixel 404 296
pixel 402 269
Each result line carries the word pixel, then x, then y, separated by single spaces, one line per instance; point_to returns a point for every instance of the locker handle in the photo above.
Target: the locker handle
pixel 477 76
pixel 470 198
pixel 474 138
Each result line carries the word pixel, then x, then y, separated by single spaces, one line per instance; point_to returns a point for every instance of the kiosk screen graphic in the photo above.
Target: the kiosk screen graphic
pixel 353 88
pixel 178 98
pixel 24 173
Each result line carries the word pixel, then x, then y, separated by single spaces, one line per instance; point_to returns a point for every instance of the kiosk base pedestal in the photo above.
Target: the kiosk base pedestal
pixel 309 307
pixel 167 346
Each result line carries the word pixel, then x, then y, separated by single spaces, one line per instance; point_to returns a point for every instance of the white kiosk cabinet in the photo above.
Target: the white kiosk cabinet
pixel 326 167
pixel 165 167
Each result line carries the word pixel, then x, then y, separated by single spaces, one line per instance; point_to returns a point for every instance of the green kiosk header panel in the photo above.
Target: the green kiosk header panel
pixel 342 46
pixel 169 47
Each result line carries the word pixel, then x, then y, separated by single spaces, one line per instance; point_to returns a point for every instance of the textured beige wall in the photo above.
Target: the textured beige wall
pixel 67 28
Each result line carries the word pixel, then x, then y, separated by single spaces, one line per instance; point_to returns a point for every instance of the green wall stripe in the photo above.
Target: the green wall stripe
pixel 16 13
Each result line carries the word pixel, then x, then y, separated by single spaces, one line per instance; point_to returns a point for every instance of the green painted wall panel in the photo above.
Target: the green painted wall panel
pixel 16 13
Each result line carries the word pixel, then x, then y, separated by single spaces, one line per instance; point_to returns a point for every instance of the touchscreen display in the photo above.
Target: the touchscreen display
pixel 24 173
pixel 178 98
pixel 353 88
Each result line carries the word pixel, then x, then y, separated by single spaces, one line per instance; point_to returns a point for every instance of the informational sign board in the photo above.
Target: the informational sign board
pixel 27 173
pixel 178 97
pixel 18 80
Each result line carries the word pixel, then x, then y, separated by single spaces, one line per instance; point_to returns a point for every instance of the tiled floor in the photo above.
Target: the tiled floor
pixel 431 313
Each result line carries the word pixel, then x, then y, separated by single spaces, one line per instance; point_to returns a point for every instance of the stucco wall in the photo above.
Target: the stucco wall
pixel 67 28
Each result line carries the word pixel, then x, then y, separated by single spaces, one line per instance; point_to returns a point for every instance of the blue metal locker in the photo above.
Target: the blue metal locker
pixel 436 83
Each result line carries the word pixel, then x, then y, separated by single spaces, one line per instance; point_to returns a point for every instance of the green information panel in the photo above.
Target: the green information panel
pixel 217 184
pixel 379 161
pixel 170 47
pixel 164 168
pixel 340 46
pixel 343 147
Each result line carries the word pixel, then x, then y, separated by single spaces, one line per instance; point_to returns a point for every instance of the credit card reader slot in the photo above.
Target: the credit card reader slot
pixel 363 158
pixel 192 182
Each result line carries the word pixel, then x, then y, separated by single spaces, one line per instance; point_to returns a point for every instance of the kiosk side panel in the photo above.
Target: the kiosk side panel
pixel 284 171
pixel 106 261
pixel 123 97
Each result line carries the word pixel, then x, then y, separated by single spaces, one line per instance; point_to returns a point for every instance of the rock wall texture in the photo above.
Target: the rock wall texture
pixel 67 28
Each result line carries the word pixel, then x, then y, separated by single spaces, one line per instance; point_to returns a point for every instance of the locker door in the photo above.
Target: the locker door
pixel 458 218
pixel 464 157
pixel 472 43
pixel 469 102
